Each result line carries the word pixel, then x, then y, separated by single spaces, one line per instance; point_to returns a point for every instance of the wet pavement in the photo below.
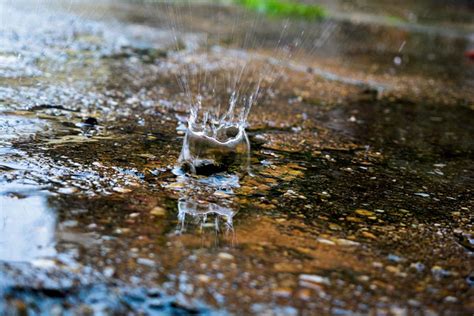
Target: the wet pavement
pixel 360 194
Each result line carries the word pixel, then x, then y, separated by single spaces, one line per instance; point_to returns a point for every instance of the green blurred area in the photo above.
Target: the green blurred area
pixel 284 8
pixel 276 8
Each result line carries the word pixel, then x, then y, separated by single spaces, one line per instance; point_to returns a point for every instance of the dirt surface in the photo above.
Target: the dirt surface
pixel 360 194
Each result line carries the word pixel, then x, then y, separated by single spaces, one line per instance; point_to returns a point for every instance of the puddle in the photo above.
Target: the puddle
pixel 27 225
pixel 17 128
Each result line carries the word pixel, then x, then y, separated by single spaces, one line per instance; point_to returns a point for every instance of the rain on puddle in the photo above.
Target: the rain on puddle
pixel 358 195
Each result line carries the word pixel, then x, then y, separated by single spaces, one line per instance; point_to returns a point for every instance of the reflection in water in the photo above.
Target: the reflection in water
pixel 26 226
pixel 206 198
pixel 199 211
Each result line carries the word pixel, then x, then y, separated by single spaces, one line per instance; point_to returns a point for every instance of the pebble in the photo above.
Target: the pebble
pixel 146 262
pixel 225 256
pixel 363 278
pixel 282 292
pixel 122 231
pixel 353 219
pixel 67 190
pixel 450 299
pixel 313 278
pixel 175 185
pixel 414 303
pixel 304 294
pixel 326 241
pixel 377 264
pixel 346 242
pixel 439 272
pixel 418 266
pixel 121 190
pixel 392 269
pixel 91 121
pixel 333 226
pixel 425 195
pixel 221 194
pixel 203 278
pixel 108 272
pixel 398 311
pixel 369 235
pixel 394 258
pixel 158 211
pixel 364 212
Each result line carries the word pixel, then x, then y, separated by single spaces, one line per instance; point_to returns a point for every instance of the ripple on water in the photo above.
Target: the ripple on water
pixel 13 127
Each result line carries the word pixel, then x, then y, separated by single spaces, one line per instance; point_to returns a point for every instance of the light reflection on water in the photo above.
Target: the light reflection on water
pixel 200 212
pixel 206 202
pixel 27 226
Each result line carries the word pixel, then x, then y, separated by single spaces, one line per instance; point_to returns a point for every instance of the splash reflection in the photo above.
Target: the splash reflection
pixel 200 212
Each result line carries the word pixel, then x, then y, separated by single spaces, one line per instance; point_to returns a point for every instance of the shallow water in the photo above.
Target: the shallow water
pixel 362 177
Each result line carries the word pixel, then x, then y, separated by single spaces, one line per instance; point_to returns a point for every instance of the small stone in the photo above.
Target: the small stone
pixel 146 262
pixel 203 278
pixel 418 266
pixel 175 185
pixel 56 310
pixel 394 258
pixel 398 311
pixel 91 121
pixel 304 294
pixel 413 302
pixel 450 299
pixel 333 226
pixel 422 194
pixel 346 242
pixel 92 226
pixel 221 194
pixel 282 292
pixel 377 264
pixel 108 272
pixel 326 241
pixel 439 272
pixel 121 190
pixel 158 211
pixel 314 279
pixel 369 235
pixel 67 190
pixel 364 212
pixel 225 256
pixel 353 219
pixel 392 269
pixel 363 278
pixel 120 231
pixel 134 215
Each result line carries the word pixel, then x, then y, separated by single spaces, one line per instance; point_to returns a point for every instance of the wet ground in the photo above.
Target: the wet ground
pixel 361 196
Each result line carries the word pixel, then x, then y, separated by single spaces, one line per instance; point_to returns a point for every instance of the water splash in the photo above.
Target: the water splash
pixel 215 143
